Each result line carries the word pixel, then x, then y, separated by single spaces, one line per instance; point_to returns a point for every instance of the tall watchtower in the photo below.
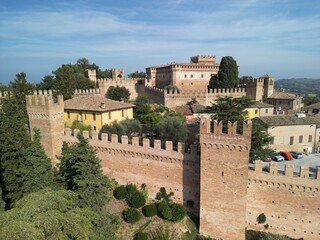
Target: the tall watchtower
pixel 47 115
pixel 223 180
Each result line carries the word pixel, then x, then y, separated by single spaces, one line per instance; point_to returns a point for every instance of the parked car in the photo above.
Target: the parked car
pixel 287 155
pixel 267 159
pixel 297 155
pixel 277 157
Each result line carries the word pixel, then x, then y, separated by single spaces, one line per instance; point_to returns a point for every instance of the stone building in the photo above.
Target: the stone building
pixel 194 75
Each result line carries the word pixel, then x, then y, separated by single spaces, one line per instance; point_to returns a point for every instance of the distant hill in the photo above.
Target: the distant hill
pixel 303 86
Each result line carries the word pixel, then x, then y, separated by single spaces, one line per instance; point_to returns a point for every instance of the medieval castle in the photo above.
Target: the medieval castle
pixel 214 183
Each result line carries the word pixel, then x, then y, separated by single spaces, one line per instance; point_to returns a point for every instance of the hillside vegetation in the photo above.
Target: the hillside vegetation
pixel 303 86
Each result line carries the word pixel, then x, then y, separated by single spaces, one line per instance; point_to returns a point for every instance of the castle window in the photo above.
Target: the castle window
pixel 94 128
pixel 109 115
pixel 185 76
pixel 271 140
pixel 266 111
pixel 68 114
pixel 191 76
pixel 94 116
pixel 310 138
pixel 122 112
pixel 191 83
pixel 300 139
pixel 80 117
pixel 256 111
pixel 291 140
pixel 222 174
pixel 85 116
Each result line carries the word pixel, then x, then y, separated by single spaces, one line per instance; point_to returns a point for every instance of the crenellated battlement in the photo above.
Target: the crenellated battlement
pixel 43 98
pixel 91 91
pixel 133 147
pixel 112 81
pixel 288 171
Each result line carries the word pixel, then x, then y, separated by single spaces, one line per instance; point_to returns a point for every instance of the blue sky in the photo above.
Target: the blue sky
pixel 281 38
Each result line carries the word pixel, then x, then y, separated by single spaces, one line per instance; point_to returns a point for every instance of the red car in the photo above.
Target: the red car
pixel 287 155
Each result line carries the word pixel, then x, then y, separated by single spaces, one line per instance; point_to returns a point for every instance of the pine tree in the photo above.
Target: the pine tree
pixel 37 171
pixel 81 169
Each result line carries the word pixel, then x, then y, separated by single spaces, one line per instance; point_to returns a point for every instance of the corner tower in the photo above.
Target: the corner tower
pixel 223 180
pixel 47 115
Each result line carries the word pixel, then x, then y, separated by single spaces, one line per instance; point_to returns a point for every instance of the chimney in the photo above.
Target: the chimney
pixel 103 105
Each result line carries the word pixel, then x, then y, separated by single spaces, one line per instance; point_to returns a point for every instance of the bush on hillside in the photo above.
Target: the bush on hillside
pixel 137 200
pixel 150 210
pixel 131 215
pixel 131 190
pixel 261 218
pixel 141 236
pixel 164 210
pixel 120 192
pixel 178 212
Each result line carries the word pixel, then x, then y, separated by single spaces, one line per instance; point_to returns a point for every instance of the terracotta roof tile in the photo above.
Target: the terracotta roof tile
pixel 289 120
pixel 283 95
pixel 94 103
pixel 261 105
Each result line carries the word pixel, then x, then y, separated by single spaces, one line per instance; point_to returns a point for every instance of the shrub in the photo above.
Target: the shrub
pixel 162 205
pixel 178 212
pixel 131 190
pixel 131 215
pixel 141 236
pixel 261 218
pixel 166 213
pixel 137 200
pixel 120 192
pixel 150 210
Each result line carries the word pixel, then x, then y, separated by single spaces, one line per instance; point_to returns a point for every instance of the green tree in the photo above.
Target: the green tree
pixel 227 74
pixel 259 141
pixel 137 75
pixel 131 127
pixel 37 172
pixel 142 107
pixel 47 83
pixel 81 126
pixel 230 109
pixel 172 129
pixel 151 119
pixel 49 214
pixel 14 140
pixel 118 93
pixel 2 202
pixel 82 172
pixel 310 100
pixel 114 128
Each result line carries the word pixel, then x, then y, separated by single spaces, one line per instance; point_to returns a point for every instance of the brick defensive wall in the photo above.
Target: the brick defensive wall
pixel 127 162
pixel 291 202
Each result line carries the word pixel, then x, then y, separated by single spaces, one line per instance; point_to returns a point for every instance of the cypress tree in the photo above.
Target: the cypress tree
pixel 227 74
pixel 81 169
pixel 37 171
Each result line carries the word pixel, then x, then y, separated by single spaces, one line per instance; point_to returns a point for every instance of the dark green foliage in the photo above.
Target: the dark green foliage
pixel 141 236
pixel 142 107
pixel 131 215
pixel 172 129
pixel 2 203
pixel 137 200
pixel 259 141
pixel 261 218
pixel 14 140
pixel 51 214
pixel 150 210
pixel 37 172
pixel 227 74
pixel 151 119
pixel 131 190
pixel 118 93
pixel 127 127
pixel 120 192
pixel 81 171
pixel 137 75
pixel 162 194
pixel 310 100
pixel 164 210
pixel 178 212
pixel 105 226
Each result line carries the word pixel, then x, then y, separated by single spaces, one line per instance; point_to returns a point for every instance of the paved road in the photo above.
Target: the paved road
pixel 311 160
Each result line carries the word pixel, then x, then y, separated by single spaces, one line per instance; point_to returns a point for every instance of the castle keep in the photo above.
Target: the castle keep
pixel 227 196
